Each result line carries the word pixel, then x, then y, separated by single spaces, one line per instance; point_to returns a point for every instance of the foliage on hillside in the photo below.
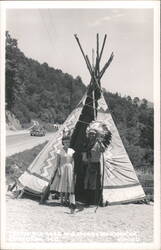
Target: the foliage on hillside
pixel 37 91
pixel 135 124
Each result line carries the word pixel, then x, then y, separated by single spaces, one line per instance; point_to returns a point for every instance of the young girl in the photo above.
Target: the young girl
pixel 64 179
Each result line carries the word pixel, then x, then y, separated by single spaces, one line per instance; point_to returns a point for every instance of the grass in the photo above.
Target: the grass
pixel 18 163
pixel 146 177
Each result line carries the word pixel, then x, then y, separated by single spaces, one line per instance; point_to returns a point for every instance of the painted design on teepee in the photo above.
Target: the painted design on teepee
pixel 44 165
pixel 51 158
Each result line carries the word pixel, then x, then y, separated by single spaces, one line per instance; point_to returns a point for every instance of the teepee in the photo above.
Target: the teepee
pixel 120 183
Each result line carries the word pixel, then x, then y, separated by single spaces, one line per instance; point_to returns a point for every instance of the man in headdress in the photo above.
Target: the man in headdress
pixel 89 181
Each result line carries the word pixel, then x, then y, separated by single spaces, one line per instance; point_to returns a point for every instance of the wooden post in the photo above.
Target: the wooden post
pixel 98 52
pixel 77 39
pixel 102 47
pixel 98 62
pixel 93 59
pixel 89 66
pixel 106 65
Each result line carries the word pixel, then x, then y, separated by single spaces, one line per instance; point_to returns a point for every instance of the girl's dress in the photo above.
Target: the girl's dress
pixel 64 178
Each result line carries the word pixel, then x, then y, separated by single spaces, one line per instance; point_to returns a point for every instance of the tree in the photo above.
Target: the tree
pixel 129 99
pixel 144 103
pixel 136 101
pixel 11 69
pixel 38 87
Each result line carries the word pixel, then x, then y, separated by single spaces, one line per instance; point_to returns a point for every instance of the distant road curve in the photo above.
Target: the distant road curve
pixel 21 141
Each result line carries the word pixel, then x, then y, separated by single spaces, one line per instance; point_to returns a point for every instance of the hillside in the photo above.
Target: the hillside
pixel 37 91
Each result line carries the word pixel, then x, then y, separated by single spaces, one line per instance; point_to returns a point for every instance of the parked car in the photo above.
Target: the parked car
pixel 37 131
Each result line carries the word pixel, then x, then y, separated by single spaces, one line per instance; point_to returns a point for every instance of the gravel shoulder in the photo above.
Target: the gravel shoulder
pixel 27 221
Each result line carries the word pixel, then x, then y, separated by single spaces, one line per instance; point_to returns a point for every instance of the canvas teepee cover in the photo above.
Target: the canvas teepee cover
pixel 120 183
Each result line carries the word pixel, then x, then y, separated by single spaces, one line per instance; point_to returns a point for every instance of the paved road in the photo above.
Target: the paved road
pixel 19 142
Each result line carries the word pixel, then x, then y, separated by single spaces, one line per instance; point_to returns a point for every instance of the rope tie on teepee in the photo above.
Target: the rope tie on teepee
pixel 83 122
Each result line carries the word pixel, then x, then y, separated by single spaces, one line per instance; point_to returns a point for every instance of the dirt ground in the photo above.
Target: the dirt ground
pixel 28 221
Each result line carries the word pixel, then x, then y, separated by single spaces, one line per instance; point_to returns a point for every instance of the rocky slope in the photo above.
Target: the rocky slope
pixel 11 122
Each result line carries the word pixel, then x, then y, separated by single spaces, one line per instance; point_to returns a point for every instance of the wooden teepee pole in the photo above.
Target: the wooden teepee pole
pixel 106 65
pixel 85 57
pixel 93 59
pixel 93 92
pixel 98 56
pixel 104 40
